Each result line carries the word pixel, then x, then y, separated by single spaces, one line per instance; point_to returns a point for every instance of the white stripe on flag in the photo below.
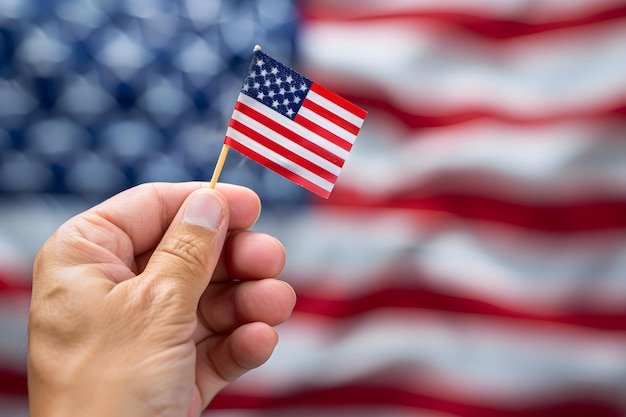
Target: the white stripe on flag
pixel 279 159
pixel 335 108
pixel 326 124
pixel 293 126
pixel 285 142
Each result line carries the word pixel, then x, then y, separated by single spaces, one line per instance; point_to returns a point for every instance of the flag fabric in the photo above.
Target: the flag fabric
pixel 291 125
pixel 471 260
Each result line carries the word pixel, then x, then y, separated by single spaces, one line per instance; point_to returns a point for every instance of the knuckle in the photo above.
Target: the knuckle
pixel 187 251
pixel 57 311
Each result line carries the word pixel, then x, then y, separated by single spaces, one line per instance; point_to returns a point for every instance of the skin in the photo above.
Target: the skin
pixel 152 302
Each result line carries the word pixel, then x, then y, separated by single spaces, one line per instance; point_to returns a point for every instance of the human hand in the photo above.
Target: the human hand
pixel 153 301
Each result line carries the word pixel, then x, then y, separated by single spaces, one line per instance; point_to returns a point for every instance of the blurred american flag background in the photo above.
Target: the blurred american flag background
pixel 471 260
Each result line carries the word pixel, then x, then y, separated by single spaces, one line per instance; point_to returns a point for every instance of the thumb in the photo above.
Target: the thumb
pixel 188 253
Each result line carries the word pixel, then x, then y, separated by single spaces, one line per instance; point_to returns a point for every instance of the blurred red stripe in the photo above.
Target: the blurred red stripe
pixel 421 298
pixel 574 216
pixel 13 382
pixel 484 26
pixel 10 283
pixel 577 403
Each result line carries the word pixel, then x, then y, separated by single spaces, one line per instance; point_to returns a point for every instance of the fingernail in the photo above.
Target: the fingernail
pixel 204 209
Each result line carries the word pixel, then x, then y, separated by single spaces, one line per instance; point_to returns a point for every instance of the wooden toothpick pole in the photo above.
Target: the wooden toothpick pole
pixel 219 165
pixel 223 153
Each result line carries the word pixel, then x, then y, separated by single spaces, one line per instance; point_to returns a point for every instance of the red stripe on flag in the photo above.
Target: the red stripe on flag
pixel 286 153
pixel 331 117
pixel 319 130
pixel 291 135
pixel 275 167
pixel 338 100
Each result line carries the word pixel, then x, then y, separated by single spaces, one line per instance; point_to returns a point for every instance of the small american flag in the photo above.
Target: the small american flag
pixel 293 126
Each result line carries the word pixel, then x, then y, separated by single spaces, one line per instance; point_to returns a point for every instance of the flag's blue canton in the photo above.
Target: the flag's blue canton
pixel 96 97
pixel 275 85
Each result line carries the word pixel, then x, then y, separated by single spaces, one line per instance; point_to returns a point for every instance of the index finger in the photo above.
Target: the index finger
pixel 144 213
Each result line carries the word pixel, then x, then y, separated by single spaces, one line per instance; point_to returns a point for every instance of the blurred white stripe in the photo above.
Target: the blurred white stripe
pixel 352 253
pixel 429 69
pixel 13 324
pixel 454 357
pixel 544 163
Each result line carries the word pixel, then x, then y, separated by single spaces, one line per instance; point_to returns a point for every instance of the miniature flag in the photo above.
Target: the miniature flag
pixel 293 126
